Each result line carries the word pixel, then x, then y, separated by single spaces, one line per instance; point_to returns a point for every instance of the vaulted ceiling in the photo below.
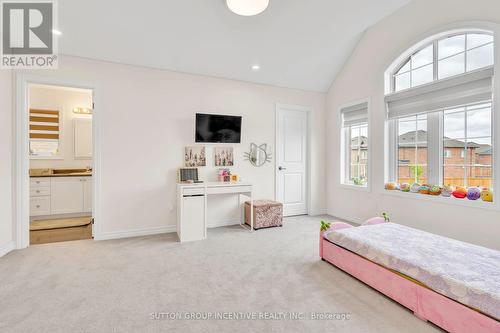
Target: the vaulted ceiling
pixel 297 43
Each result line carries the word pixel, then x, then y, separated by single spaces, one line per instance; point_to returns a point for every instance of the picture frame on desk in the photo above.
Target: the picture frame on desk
pixel 187 175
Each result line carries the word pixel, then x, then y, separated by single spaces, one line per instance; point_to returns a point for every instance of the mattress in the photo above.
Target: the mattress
pixel 466 273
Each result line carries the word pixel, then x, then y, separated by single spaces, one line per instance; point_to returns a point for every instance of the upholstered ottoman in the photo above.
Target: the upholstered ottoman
pixel 266 214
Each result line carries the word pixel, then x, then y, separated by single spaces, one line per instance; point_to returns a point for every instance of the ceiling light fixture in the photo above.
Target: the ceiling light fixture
pixel 56 32
pixel 247 7
pixel 255 68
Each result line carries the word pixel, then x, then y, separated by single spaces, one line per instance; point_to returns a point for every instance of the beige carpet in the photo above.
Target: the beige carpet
pixel 116 286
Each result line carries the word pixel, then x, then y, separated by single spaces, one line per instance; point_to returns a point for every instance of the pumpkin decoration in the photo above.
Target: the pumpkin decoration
pixel 415 187
pixel 487 195
pixel 424 189
pixel 447 191
pixel 391 186
pixel 435 190
pixel 405 187
pixel 459 193
pixel 473 193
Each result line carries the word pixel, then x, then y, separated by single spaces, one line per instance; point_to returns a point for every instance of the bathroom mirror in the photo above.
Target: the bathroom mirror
pixel 258 155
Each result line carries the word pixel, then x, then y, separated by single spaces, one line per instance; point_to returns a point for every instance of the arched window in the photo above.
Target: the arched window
pixel 440 112
pixel 444 57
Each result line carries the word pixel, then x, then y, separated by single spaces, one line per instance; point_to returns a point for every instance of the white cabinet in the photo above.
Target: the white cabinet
pixel 87 194
pixel 191 214
pixel 60 195
pixel 82 131
pixel 66 195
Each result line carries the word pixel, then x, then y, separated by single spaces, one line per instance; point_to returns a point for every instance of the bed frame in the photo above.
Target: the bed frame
pixel 425 303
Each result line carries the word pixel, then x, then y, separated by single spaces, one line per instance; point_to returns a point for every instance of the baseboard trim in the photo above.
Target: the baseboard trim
pixel 318 212
pixel 136 232
pixel 354 220
pixel 6 248
pixel 223 223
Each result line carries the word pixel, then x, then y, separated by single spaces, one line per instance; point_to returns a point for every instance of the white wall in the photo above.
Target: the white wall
pixel 363 77
pixel 6 153
pixel 148 118
pixel 63 100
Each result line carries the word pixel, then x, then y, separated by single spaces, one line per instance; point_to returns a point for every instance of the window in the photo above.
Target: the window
pixel 412 149
pixel 358 172
pixel 441 125
pixel 355 145
pixel 468 130
pixel 446 57
pixel 44 133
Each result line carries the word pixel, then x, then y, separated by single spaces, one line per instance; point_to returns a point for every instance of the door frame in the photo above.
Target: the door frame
pixel 308 110
pixel 21 151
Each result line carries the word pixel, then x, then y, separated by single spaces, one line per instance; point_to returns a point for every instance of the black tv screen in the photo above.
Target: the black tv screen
pixel 214 128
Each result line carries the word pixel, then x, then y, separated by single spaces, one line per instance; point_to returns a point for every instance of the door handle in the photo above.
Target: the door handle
pixel 280 168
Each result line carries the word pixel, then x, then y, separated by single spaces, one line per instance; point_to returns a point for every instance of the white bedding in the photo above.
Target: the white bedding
pixel 467 273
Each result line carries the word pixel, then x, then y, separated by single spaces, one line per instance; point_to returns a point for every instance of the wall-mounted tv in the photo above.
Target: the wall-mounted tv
pixel 215 128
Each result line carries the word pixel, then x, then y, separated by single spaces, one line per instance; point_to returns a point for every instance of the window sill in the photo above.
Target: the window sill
pixel 444 200
pixel 355 187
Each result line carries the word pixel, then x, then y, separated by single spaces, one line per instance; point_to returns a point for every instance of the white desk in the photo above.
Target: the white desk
pixel 192 206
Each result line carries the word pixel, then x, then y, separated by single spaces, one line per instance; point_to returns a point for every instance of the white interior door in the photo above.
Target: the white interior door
pixel 291 159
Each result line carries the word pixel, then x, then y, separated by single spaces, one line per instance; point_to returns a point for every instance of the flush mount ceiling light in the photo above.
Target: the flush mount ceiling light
pixel 247 7
pixel 256 68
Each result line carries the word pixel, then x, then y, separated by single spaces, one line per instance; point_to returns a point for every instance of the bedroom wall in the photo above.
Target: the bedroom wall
pixel 363 77
pixel 6 153
pixel 148 119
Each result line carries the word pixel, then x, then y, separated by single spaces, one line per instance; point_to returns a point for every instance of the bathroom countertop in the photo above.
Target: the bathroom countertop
pixel 60 173
pixel 76 174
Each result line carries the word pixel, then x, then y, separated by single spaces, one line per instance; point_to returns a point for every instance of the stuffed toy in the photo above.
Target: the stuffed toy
pixel 473 193
pixel 487 195
pixel 447 191
pixel 424 189
pixel 435 190
pixel 325 226
pixel 391 186
pixel 415 187
pixel 459 193
pixel 405 187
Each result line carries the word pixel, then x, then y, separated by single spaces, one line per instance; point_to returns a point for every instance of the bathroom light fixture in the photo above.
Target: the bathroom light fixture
pixel 255 67
pixel 82 110
pixel 247 7
pixel 56 32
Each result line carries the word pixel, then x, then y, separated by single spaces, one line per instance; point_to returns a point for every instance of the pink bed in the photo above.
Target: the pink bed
pixel 437 305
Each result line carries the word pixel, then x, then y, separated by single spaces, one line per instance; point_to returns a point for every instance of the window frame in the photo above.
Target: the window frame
pixel 345 138
pixel 435 157
pixel 435 58
pixel 399 58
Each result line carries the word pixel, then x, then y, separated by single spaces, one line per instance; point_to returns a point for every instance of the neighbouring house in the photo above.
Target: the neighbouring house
pixel 459 168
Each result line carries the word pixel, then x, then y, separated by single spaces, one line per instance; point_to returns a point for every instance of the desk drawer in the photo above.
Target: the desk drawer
pixel 43 182
pixel 193 191
pixel 229 189
pixel 39 191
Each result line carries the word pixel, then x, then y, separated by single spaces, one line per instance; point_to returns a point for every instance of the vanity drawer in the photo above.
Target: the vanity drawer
pixel 36 182
pixel 40 206
pixel 38 191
